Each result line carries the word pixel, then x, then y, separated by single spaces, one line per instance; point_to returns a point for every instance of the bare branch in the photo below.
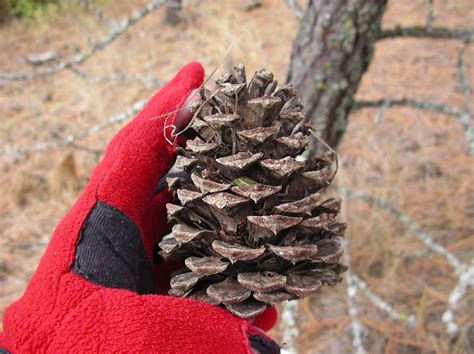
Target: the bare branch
pixel 379 116
pixel 19 153
pixel 466 118
pixel 82 57
pixel 378 302
pixel 147 80
pixel 466 280
pixel 410 225
pixel 467 123
pixel 289 315
pixel 42 58
pixel 429 15
pixel 295 8
pixel 408 102
pixel 462 76
pixel 351 292
pixel 325 75
pixel 96 152
pixel 462 34
pixel 106 18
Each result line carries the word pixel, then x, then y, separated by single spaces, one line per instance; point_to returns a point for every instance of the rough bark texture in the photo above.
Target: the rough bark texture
pixel 172 10
pixel 333 49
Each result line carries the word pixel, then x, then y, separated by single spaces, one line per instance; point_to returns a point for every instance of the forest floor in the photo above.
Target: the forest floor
pixel 417 160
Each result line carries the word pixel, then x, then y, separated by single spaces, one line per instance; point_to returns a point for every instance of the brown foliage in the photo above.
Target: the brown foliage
pixel 415 159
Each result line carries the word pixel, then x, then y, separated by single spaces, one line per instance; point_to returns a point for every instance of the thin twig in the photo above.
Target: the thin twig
pixel 295 8
pixel 290 329
pixel 409 223
pixel 82 57
pixel 112 23
pixel 466 118
pixel 429 15
pixel 351 292
pixel 462 76
pixel 120 77
pixel 20 153
pixel 466 280
pixel 97 152
pixel 379 116
pixel 378 302
pixel 462 34
pixel 408 102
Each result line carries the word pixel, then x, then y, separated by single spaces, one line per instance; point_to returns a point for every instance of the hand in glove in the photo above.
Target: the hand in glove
pixel 95 289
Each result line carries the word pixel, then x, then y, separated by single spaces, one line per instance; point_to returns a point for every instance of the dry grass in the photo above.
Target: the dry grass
pixel 417 160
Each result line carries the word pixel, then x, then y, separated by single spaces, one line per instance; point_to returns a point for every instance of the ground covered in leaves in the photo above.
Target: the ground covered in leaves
pixel 416 160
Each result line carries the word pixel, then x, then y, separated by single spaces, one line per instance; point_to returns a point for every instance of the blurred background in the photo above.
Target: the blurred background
pixel 389 86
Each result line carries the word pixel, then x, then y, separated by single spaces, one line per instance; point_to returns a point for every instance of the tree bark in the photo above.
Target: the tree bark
pixel 172 10
pixel 333 49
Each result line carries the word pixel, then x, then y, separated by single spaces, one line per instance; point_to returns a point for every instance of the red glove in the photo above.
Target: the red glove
pixel 89 291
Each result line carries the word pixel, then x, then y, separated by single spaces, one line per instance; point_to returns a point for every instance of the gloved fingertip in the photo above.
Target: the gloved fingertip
pixel 190 75
pixel 267 319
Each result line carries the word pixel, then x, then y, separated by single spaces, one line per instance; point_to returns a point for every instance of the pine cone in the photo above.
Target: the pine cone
pixel 250 221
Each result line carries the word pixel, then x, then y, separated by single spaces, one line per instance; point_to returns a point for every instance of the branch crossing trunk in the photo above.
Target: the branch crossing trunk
pixel 332 51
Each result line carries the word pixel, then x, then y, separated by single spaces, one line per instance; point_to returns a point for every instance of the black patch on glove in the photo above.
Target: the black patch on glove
pixel 263 345
pixel 4 351
pixel 110 252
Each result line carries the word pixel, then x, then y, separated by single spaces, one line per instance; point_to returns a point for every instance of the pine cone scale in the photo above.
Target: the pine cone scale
pixel 250 221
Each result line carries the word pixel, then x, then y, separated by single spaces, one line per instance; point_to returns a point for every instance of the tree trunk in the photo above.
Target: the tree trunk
pixel 172 10
pixel 333 49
